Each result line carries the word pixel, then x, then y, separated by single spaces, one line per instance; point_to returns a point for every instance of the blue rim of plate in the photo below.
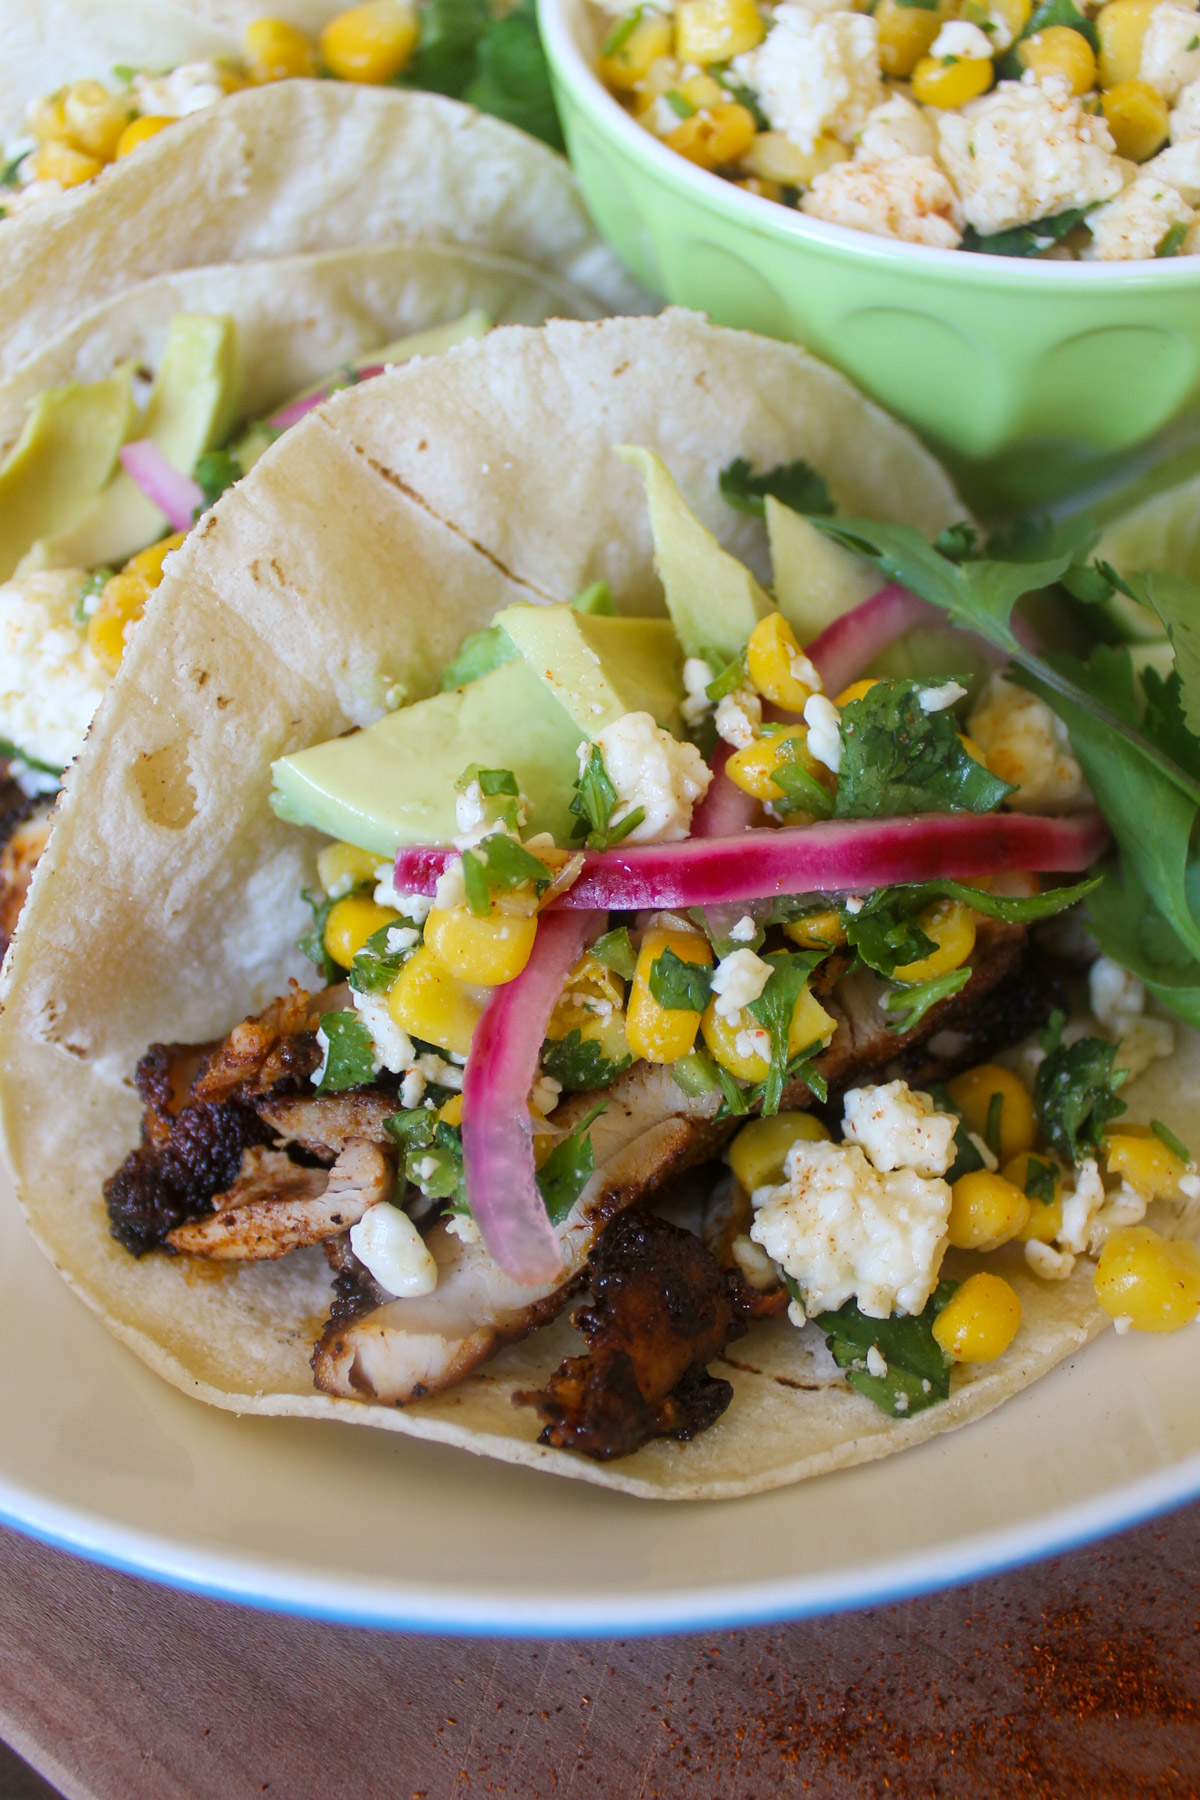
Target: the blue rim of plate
pixel 345 1601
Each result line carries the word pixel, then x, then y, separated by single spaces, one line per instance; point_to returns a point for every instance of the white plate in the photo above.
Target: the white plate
pixel 98 1455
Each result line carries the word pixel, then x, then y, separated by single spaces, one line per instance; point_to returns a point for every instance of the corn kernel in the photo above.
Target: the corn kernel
pixel 275 50
pixel 1121 27
pixel 774 157
pixel 951 925
pixel 490 951
pixel 751 769
pixel 973 1092
pixel 772 653
pixel 985 1211
pixel 593 1004
pixel 810 1022
pixel 94 118
pixel 1015 14
pixel 1045 1216
pixel 817 930
pixel 714 137
pixel 979 1321
pixel 343 866
pixel 855 691
pixel 350 923
pixel 710 31
pixel 370 43
pixel 759 1151
pixel 1152 1281
pixel 701 90
pixel 58 162
pixel 426 1001
pixel 47 119
pixel 661 1034
pixel 662 75
pixel 450 1112
pixel 936 82
pixel 651 38
pixel 1143 1160
pixel 139 132
pixel 1058 50
pixel 1137 117
pixel 905 35
pixel 122 603
pixel 149 563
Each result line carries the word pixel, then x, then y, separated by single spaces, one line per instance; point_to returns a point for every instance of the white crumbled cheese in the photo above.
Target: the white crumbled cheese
pixel 962 40
pixel 1125 1207
pixel 1026 151
pixel 414 906
pixel 1185 115
pixel 696 677
pixel 186 89
pixel 1123 1323
pixel 843 1231
pixel 854 904
pixel 1080 1205
pixel 739 718
pixel 824 723
pixel 905 197
pixel 1027 744
pixel 412 1089
pixel 1179 166
pixel 401 938
pixel 1115 994
pixel 937 699
pixel 1049 1263
pixel 318 1074
pixel 876 1365
pixel 986 1155
pixel 738 979
pixel 392 1044
pixel 470 814
pixel 544 1097
pixel 463 1227
pixel 426 1168
pixel 752 1040
pixel 755 1265
pixel 1133 225
pixel 50 683
pixel 896 128
pixel 815 76
pixel 1144 1040
pixel 1171 49
pixel 650 768
pixel 439 1071
pixel 451 889
pixel 745 931
pixel 394 1253
pixel 899 1128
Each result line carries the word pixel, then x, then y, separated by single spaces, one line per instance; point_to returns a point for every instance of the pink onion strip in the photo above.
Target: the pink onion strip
pixel 292 414
pixel 847 647
pixel 176 495
pixel 835 856
pixel 497 1131
pixel 725 809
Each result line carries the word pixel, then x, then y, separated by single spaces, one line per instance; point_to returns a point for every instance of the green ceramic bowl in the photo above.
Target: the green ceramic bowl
pixel 988 357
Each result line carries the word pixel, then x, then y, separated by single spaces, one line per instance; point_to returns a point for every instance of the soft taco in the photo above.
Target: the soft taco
pixel 611 876
pixel 104 432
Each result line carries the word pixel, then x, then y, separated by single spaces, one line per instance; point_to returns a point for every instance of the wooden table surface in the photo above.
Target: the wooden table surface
pixel 1078 1679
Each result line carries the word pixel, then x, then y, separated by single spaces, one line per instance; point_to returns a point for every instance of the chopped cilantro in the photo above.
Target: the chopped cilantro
pixel 1026 240
pixel 680 986
pixel 622 31
pixel 794 484
pixel 89 594
pixel 312 944
pixel 1171 241
pixel 729 678
pixel 918 1370
pixel 774 1008
pixel 913 1002
pixel 580 1064
pixel 350 1057
pixel 594 804
pixel 375 967
pixel 679 104
pixel 1040 1180
pixel 10 174
pixel 513 81
pixel 478 654
pixel 802 791
pixel 568 1169
pixel 615 950
pixel 898 759
pixel 497 864
pixel 215 471
pixel 433 1155
pixel 695 1073
pixel 1075 1095
pixel 745 96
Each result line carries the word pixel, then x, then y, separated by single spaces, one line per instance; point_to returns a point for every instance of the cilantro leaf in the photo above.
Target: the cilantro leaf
pixel 215 471
pixel 967 1157
pixel 794 484
pixel 412 1129
pixel 802 791
pixel 375 967
pixel 913 1002
pixel 568 1169
pixel 594 803
pixel 615 950
pixel 886 935
pixel 579 1063
pixel 445 58
pixel 433 1155
pixel 513 81
pixel 918 1370
pixel 898 759
pixel 312 944
pixel 1040 1181
pixel 774 1008
pixel 1176 600
pixel 1075 1095
pixel 679 986
pixel 479 653
pixel 350 1058
pixel 496 865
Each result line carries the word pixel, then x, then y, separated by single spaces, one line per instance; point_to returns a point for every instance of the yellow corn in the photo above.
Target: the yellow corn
pixel 450 1113
pixel 59 162
pixel 773 157
pixel 1060 51
pixel 942 83
pixel 985 1211
pixel 593 1004
pixel 772 653
pixel 817 930
pixel 426 1001
pixel 714 137
pixel 139 132
pixel 1152 1281
pixel 149 563
pixel 275 50
pixel 651 38
pixel 905 35
pixel 759 1151
pixel 972 1093
pixel 370 43
pixel 351 922
pixel 1137 117
pixel 47 118
pixel 122 603
pixel 711 31
pixel 951 925
pixel 1121 27
pixel 979 1321
pixel 1143 1160
pixel 751 769
pixel 343 866
pixel 1045 1216
pixel 810 1022
pixel 94 118
pixel 662 75
pixel 661 1034
pixel 490 951
pixel 856 690
pixel 701 90
pixel 1015 14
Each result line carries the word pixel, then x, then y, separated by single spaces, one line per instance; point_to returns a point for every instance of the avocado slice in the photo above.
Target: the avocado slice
pixel 816 580
pixel 192 407
pixel 59 465
pixel 393 783
pixel 599 668
pixel 712 598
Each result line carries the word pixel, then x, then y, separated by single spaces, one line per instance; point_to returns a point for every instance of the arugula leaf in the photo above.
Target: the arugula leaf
pixel 312 944
pixel 958 543
pixel 774 1008
pixel 579 1063
pixel 1027 240
pixel 918 1370
pixel 680 986
pixel 615 950
pixel 595 802
pixel 1040 1181
pixel 1131 929
pixel 496 865
pixel 795 484
pixel 479 653
pixel 898 759
pixel 1075 1095
pixel 913 1002
pixel 350 1058
pixel 568 1169
pixel 375 967
pixel 215 471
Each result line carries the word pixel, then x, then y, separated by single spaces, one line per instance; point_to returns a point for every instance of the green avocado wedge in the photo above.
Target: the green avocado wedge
pixel 599 668
pixel 61 462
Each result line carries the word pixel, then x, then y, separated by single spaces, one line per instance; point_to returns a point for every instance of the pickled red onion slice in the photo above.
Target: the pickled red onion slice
pixel 295 411
pixel 725 809
pixel 176 495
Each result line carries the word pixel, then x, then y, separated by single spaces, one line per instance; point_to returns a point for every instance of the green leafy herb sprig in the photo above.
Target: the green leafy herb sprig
pixel 898 759
pixel 1076 1091
pixel 350 1058
pixel 580 1064
pixel 594 803
pixel 918 1370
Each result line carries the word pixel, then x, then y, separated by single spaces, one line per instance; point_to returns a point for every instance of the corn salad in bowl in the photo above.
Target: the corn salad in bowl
pixel 1005 127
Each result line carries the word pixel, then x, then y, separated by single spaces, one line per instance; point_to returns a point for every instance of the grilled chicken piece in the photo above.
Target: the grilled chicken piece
pixel 274 1206
pixel 324 1123
pixel 261 1052
pixel 27 837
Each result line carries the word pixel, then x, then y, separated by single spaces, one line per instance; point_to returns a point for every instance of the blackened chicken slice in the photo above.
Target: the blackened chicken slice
pixel 323 1124
pixel 275 1206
